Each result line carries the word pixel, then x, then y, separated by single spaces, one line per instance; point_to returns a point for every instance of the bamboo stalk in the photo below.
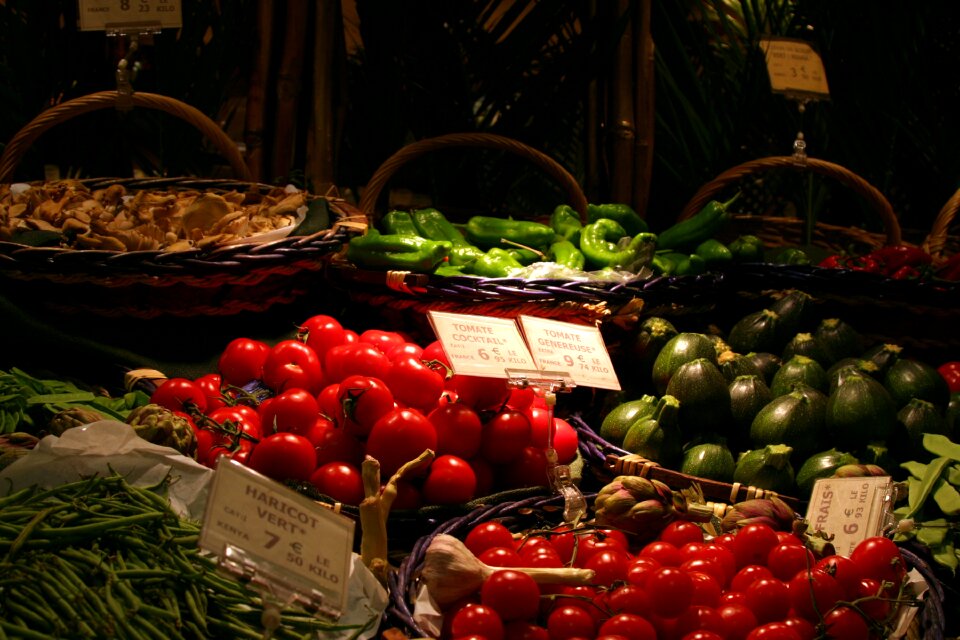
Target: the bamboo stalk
pixel 288 85
pixel 319 162
pixel 257 90
pixel 622 127
pixel 644 104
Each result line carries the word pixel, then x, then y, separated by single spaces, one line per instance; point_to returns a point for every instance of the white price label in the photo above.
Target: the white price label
pixel 794 67
pixel 292 539
pixel 115 15
pixel 850 509
pixel 576 349
pixel 481 346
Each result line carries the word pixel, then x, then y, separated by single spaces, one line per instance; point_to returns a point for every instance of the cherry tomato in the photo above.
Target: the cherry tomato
pixel 703 634
pixel 680 532
pixel 242 361
pixel 524 630
pixel 294 410
pixel 737 620
pixel 399 436
pixel 640 568
pixel 458 429
pixel 567 621
pixel 773 631
pixel 364 400
pixel 501 557
pixel 205 440
pixel 360 359
pixel 529 469
pixel 609 566
pixel 486 535
pixel 628 625
pixel 521 398
pixel 335 444
pixel 671 590
pixel 877 606
pixel 629 598
pixel 292 364
pixel 844 571
pixel 706 589
pixel 753 543
pixel 699 617
pixel 450 480
pixel 787 558
pixel 210 384
pixel 769 599
pixel 565 438
pixel 320 333
pixel 504 436
pixel 240 452
pixel 328 401
pixel 879 558
pixel 708 566
pixel 404 349
pixel 813 593
pixel 666 554
pixel 434 352
pixel 382 340
pixel 748 575
pixel 415 384
pixel 512 594
pixel 236 423
pixel 180 394
pixel 480 392
pixel 408 496
pixel 804 628
pixel 340 481
pixel 284 456
pixel 844 623
pixel 477 619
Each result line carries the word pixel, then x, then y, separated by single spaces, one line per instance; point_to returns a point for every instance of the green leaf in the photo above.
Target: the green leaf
pixel 53 398
pixel 946 555
pixel 316 220
pixel 940 445
pixel 920 492
pixel 953 475
pixel 947 498
pixel 933 532
pixel 914 468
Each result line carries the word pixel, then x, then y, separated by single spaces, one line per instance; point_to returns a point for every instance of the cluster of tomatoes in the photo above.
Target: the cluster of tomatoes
pixel 310 408
pixel 754 584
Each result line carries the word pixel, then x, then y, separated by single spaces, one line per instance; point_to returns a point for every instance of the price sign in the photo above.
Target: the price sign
pixel 577 349
pixel 481 346
pixel 850 509
pixel 795 68
pixel 133 15
pixel 290 540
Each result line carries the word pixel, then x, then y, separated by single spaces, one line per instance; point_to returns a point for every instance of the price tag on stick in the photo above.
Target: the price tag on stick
pixel 121 17
pixel 851 509
pixel 795 68
pixel 480 345
pixel 575 348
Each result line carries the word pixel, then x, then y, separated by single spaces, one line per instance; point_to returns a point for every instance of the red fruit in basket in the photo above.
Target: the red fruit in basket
pixel 477 619
pixel 382 340
pixel 408 496
pixel 524 630
pixel 238 423
pixel 450 480
pixel 787 559
pixel 736 620
pixel 512 594
pixel 458 429
pixel 752 544
pixel 521 398
pixel 844 623
pixel 813 593
pixel 504 437
pixel 336 444
pixel 320 333
pixel 529 469
pixel 180 394
pixel 415 384
pixel 242 361
pixel 844 571
pixel 211 384
pixel 769 599
pixel 294 410
pixel 879 558
pixel 565 438
pixel 629 626
pixel 480 392
pixel 504 557
pixel 404 349
pixel 328 401
pixel 569 621
pixel 363 400
pixel 284 456
pixel 486 535
pixel 671 590
pixel 292 364
pixel 360 358
pixel 399 437
pixel 340 481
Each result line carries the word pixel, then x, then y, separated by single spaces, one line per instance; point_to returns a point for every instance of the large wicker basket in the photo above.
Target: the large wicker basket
pixel 217 281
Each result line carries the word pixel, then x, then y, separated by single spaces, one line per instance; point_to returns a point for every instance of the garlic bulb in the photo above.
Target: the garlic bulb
pixel 451 571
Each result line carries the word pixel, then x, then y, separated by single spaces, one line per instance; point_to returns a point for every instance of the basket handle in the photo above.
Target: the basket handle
pixel 414 150
pixel 870 193
pixel 18 145
pixel 936 240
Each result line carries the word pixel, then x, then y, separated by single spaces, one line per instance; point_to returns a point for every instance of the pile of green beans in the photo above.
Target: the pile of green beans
pixel 100 558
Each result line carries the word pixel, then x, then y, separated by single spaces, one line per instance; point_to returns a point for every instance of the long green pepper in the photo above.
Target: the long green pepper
pixel 600 244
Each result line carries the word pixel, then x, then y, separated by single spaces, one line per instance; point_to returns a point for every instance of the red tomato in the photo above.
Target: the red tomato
pixel 242 361
pixel 567 621
pixel 477 619
pixel 640 568
pixel 523 630
pixel 294 410
pixel 336 444
pixel 512 594
pixel 240 452
pixel 450 480
pixel 320 333
pixel 737 620
pixel 480 392
pixel 706 589
pixel 565 438
pixel 628 625
pixel 458 429
pixel 671 590
pixel 665 553
pixel 398 437
pixel 329 402
pixel 434 353
pixel 364 400
pixel 698 617
pixel 382 340
pixel 748 575
pixel 360 358
pixel 504 436
pixel 708 566
pixel 844 571
pixel 804 628
pixel 773 631
pixel 408 496
pixel 521 398
pixel 284 456
pixel 753 543
pixel 877 606
pixel 210 385
pixel 205 440
pixel 769 599
pixel 501 557
pixel 629 598
pixel 350 337
pixel 813 593
pixel 609 566
pixel 879 558
pixel 404 349
pixel 340 481
pixel 485 475
pixel 844 623
pixel 414 383
pixel 703 634
pixel 292 364
pixel 318 430
pixel 680 532
pixel 488 534
pixel 180 394
pixel 529 469
pixel 788 558
pixel 236 423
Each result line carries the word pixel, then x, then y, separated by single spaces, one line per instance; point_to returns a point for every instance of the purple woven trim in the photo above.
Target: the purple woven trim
pixel 593 448
pixel 932 617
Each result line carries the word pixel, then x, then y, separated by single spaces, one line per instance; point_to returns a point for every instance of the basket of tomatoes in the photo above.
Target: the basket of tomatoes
pixel 522 570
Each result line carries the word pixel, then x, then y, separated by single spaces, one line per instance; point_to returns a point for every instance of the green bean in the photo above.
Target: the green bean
pixel 193 606
pixel 32 617
pixel 21 538
pixel 16 496
pixel 22 631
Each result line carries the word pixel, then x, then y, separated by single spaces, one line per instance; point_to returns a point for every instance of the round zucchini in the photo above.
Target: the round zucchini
pixel 859 410
pixel 907 378
pixel 703 395
pixel 767 468
pixel 798 369
pixel 839 339
pixel 748 395
pixel 711 460
pixel 616 423
pixel 657 437
pixel 806 344
pixel 757 331
pixel 795 418
pixel 680 349
pixel 820 465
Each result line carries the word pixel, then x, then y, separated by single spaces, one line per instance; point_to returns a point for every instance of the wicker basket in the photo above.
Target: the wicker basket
pixel 939 243
pixel 219 281
pixel 410 295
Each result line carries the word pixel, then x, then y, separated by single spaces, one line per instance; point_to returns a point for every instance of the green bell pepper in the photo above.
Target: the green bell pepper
pixel 566 254
pixel 687 234
pixel 691 265
pixel 447 269
pixel 792 256
pixel 566 222
pixel 396 251
pixel 600 243
pixel 665 262
pixel 489 231
pixel 495 263
pixel 629 219
pixel 525 256
pixel 398 222
pixel 714 253
pixel 747 248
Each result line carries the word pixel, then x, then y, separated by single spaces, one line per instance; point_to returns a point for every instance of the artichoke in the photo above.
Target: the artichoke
pixel 161 426
pixel 643 507
pixel 771 511
pixel 14 445
pixel 72 417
